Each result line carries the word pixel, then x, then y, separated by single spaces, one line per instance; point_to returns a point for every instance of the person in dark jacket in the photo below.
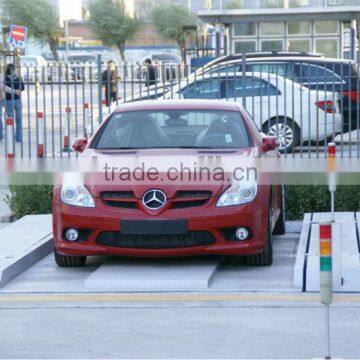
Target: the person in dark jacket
pixel 13 103
pixel 150 76
pixel 109 80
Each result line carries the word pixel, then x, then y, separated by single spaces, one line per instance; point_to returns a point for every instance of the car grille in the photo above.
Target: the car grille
pixel 190 198
pixel 183 199
pixel 120 199
pixel 191 239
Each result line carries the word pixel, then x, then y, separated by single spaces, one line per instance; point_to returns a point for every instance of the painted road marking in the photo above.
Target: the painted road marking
pixel 48 298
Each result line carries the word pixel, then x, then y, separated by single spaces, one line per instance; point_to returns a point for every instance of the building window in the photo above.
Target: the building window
pixel 299 28
pixel 299 3
pixel 328 47
pixel 272 28
pixel 299 45
pixel 244 46
pixel 272 45
pixel 272 3
pixel 244 29
pixel 326 27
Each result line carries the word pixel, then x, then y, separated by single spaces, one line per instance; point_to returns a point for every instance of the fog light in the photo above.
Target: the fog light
pixel 72 234
pixel 242 234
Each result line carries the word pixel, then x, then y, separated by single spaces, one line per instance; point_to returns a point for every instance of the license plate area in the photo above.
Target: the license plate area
pixel 153 227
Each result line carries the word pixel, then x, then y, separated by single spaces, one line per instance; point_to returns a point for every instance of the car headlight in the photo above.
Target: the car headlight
pixel 238 194
pixel 77 195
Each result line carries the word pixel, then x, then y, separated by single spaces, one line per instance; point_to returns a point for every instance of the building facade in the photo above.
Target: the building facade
pixel 322 26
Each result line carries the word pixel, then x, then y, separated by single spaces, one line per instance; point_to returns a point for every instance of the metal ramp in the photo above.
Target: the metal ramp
pixel 346 253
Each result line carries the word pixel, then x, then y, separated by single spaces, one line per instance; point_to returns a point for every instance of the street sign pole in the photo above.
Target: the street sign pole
pixel 326 282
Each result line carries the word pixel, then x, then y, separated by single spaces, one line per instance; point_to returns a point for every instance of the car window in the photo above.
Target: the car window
pixel 174 129
pixel 202 89
pixel 228 69
pixel 277 69
pixel 317 74
pixel 253 87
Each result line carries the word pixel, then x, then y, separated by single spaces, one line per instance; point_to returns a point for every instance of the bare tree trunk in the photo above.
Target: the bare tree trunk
pixel 121 48
pixel 53 44
pixel 181 45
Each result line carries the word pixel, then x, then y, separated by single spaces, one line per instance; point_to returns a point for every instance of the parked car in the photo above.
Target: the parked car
pixel 79 64
pixel 162 219
pixel 316 73
pixel 279 106
pixel 33 68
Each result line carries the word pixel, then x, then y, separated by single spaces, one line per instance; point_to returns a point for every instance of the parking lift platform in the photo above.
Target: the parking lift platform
pixel 345 250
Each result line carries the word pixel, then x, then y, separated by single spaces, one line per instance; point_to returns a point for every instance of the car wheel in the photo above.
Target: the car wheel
pixel 69 261
pixel 280 226
pixel 286 131
pixel 265 258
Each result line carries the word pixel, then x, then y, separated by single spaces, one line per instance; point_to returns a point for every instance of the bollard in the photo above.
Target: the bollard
pixel 326 281
pixel 9 134
pixel 66 137
pixel 332 176
pixel 41 130
pixel 86 119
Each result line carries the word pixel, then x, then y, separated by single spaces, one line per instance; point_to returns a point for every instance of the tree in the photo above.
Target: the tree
pixel 111 23
pixel 39 16
pixel 169 21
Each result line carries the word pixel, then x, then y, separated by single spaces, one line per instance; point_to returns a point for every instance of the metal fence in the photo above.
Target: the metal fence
pixel 306 103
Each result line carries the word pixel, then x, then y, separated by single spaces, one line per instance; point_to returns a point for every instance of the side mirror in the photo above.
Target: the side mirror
pixel 269 143
pixel 79 144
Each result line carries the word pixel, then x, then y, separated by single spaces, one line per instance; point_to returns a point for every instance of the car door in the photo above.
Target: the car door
pixel 258 96
pixel 317 77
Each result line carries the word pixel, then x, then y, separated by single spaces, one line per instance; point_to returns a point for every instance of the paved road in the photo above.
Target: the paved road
pixel 288 328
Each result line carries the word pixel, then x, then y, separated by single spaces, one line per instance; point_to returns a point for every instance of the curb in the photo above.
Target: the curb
pixel 17 265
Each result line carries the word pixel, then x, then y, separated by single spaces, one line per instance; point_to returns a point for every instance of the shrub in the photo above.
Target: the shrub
pixel 29 200
pixel 308 198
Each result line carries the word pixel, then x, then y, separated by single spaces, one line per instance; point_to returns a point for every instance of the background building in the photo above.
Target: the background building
pixel 321 26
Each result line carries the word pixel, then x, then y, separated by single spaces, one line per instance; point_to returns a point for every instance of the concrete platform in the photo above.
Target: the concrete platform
pixel 22 244
pixel 346 256
pixel 185 274
pixel 200 274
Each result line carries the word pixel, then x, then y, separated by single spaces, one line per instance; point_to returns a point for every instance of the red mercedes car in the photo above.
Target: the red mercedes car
pixel 163 216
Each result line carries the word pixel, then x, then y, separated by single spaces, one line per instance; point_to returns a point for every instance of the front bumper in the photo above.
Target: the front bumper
pixel 206 218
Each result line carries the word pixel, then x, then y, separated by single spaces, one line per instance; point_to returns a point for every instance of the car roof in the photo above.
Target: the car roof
pixel 286 59
pixel 178 104
pixel 262 54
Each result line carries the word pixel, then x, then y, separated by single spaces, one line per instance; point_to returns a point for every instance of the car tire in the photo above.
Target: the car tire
pixel 280 226
pixel 265 258
pixel 69 261
pixel 289 131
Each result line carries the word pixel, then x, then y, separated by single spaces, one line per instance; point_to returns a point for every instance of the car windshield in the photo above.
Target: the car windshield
pixel 174 129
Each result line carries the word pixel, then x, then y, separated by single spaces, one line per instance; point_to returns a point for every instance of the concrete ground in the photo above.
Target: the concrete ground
pixel 246 312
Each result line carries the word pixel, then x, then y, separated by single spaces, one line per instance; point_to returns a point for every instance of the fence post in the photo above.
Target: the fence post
pixel 66 138
pixel 100 86
pixel 9 134
pixel 86 119
pixel 40 129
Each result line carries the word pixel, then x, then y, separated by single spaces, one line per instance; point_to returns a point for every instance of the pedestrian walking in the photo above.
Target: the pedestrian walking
pixel 110 83
pixel 13 103
pixel 150 76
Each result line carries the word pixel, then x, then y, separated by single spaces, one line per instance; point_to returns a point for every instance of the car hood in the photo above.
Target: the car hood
pixel 183 165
